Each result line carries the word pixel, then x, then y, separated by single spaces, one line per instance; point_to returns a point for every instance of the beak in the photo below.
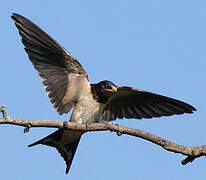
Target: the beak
pixel 110 92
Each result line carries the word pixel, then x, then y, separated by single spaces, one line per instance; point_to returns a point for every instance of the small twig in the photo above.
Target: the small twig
pixel 3 111
pixel 187 160
pixel 27 128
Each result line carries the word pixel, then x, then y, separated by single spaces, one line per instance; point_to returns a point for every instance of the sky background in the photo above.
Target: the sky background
pixel 155 45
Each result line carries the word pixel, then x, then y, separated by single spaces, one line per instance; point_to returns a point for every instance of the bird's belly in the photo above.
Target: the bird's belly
pixel 88 113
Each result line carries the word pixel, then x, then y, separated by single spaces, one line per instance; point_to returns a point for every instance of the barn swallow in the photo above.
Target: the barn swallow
pixel 68 86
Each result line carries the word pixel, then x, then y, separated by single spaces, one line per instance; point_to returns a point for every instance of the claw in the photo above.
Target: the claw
pixel 65 124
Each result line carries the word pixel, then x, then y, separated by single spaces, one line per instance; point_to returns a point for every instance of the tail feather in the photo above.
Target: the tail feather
pixel 67 152
pixel 66 148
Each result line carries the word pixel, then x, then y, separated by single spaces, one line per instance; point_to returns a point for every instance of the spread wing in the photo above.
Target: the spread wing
pixel 134 103
pixel 62 75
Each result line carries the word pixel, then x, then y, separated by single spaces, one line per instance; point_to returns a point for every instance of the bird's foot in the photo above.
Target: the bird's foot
pixel 86 125
pixel 65 124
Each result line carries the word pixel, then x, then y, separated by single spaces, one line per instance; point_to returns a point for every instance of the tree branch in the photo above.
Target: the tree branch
pixel 192 152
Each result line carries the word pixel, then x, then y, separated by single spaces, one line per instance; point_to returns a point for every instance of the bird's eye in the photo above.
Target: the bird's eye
pixel 108 86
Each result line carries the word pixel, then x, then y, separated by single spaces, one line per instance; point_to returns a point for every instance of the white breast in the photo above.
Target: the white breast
pixel 87 109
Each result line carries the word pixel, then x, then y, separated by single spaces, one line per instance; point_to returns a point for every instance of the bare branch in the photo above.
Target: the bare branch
pixel 192 152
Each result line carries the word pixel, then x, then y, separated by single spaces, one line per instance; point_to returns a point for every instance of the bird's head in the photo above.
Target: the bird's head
pixel 103 90
pixel 108 88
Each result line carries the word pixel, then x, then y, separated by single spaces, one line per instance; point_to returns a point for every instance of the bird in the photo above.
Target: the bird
pixel 68 86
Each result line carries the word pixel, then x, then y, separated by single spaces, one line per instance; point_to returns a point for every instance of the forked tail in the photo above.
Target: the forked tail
pixel 65 141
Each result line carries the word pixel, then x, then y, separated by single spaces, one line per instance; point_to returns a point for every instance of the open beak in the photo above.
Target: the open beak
pixel 110 92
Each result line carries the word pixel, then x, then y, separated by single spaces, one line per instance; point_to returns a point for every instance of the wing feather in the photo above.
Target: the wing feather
pixel 134 103
pixel 59 70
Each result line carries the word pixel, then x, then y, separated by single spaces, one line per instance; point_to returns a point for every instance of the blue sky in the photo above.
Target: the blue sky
pixel 158 46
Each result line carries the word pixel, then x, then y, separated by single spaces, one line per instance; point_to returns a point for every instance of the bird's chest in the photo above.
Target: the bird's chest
pixel 88 110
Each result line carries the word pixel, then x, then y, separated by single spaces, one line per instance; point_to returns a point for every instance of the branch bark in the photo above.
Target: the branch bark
pixel 192 152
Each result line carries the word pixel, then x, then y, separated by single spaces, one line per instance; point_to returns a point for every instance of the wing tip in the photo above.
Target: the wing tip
pixel 14 16
pixel 190 109
pixel 193 108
